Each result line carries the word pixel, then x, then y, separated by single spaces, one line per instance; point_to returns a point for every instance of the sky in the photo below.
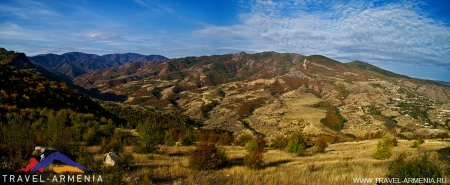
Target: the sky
pixel 407 37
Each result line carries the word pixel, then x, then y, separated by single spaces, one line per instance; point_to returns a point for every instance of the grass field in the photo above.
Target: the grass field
pixel 339 164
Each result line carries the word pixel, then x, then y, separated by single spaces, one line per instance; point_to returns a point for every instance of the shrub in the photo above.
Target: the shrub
pixel 384 147
pixel 256 144
pixel 255 151
pixel 321 144
pixel 207 157
pixel 106 130
pixel 421 167
pixel 254 159
pixel 215 136
pixel 382 151
pixel 225 139
pixel 188 138
pixel 297 144
pixel 243 139
pixel 418 142
pixel 172 135
pixel 390 140
pixel 91 137
pixel 113 144
pixel 279 143
pixel 125 161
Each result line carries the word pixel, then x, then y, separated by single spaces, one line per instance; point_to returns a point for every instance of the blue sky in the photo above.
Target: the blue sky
pixel 408 37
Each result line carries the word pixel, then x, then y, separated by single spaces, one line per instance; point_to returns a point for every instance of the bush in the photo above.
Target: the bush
pixel 188 138
pixel 256 144
pixel 321 144
pixel 254 159
pixel 114 144
pixel 172 135
pixel 382 152
pixel 255 151
pixel 124 162
pixel 243 139
pixel 91 137
pixel 279 143
pixel 384 147
pixel 225 139
pixel 207 157
pixel 421 167
pixel 418 142
pixel 216 136
pixel 297 144
pixel 390 140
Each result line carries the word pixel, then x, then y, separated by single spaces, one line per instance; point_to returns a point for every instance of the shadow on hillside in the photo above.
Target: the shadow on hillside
pixel 177 154
pixel 277 163
pixel 106 96
pixel 240 162
pixel 167 180
pixel 235 162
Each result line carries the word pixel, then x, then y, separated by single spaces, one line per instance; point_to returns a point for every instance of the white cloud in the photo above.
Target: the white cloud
pixel 99 36
pixel 398 32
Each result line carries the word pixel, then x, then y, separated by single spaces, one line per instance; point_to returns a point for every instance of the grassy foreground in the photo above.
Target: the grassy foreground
pixel 340 163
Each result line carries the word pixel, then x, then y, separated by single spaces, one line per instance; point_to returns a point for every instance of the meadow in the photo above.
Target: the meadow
pixel 339 164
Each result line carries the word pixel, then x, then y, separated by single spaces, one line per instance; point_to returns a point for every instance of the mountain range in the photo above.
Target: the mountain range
pixel 271 94
pixel 276 94
pixel 73 64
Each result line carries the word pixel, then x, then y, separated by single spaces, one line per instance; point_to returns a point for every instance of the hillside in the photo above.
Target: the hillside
pixel 275 94
pixel 22 85
pixel 76 63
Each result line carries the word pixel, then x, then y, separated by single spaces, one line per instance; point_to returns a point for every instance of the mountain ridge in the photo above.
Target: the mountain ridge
pixel 73 64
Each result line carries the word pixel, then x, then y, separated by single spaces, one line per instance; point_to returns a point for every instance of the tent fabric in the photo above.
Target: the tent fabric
pixel 33 161
pixel 66 168
pixel 57 156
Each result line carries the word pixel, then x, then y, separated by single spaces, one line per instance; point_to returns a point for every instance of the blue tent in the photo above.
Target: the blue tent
pixel 47 161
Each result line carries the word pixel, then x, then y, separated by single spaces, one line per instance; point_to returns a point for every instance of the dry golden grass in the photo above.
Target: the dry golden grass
pixel 339 164
pixel 300 107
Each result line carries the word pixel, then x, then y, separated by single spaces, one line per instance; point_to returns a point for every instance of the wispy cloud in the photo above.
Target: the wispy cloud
pixel 155 6
pixel 27 9
pixel 395 32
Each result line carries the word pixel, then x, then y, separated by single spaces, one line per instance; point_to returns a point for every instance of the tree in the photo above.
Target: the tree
pixel 421 167
pixel 297 144
pixel 255 152
pixel 151 134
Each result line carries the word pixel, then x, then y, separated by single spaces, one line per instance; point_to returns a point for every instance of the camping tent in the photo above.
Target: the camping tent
pixel 48 156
